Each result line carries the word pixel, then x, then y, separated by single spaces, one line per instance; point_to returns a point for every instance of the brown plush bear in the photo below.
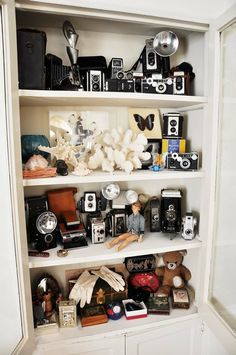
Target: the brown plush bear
pixel 174 273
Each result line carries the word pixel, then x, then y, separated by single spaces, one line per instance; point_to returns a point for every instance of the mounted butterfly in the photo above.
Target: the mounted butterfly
pixel 146 121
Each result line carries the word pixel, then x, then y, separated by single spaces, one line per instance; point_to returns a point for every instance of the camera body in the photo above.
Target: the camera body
pixel 151 60
pixel 188 226
pixel 171 211
pixel 120 85
pixel 96 229
pixel 182 161
pixel 116 222
pixel 155 225
pixel 37 217
pixel 179 83
pixel 157 85
pixel 90 203
pixel 172 125
pixel 95 80
pixel 73 238
pixel 115 66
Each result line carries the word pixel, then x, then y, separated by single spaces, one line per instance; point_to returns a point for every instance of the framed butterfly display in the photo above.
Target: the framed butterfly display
pixel 146 121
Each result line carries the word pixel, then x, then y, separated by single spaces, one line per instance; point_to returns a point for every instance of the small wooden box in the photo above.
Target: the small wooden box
pixel 180 298
pixel 158 305
pixel 67 314
pixel 93 315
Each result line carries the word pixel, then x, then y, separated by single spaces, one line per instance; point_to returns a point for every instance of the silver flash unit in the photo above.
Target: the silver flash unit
pixel 98 234
pixel 189 224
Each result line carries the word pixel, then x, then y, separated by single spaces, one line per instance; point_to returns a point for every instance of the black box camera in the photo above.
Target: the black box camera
pixel 90 203
pixel 41 224
pixel 155 223
pixel 116 222
pixel 171 211
pixel 172 125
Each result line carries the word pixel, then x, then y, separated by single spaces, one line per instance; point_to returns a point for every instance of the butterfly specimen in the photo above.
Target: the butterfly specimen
pixel 143 123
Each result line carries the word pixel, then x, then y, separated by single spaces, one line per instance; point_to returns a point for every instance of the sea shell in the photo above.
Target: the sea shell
pixel 36 162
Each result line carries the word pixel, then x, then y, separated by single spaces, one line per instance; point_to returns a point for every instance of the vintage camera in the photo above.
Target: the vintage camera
pixel 59 76
pixel 96 229
pixel 172 125
pixel 155 225
pixel 41 224
pixel 179 83
pixel 171 211
pixel 157 85
pixel 115 66
pixel 189 224
pixel 95 80
pixel 150 59
pixel 182 161
pixel 120 85
pixel 91 203
pixel 116 222
pixel 73 238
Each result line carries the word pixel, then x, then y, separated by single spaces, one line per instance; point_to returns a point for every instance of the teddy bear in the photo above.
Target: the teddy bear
pixel 173 272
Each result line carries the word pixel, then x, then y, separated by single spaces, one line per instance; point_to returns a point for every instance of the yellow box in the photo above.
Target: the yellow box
pixel 173 146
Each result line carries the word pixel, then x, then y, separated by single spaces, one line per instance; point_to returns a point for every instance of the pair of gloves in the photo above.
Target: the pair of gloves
pixel 83 288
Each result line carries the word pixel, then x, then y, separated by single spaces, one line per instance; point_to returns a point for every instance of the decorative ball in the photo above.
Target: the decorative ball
pixel 30 143
pixel 115 310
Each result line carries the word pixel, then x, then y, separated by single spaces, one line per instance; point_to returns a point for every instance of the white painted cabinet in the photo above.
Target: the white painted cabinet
pixel 183 338
pixel 106 346
pixel 110 34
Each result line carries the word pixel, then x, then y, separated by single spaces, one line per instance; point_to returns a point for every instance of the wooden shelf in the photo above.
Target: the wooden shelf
pixel 100 177
pixel 86 98
pixel 153 243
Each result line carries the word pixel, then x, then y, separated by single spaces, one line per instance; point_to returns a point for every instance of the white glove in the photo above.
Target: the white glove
pixel 112 278
pixel 83 288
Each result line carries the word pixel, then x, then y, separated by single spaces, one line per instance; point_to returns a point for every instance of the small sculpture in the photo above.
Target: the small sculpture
pixel 134 232
pixel 36 162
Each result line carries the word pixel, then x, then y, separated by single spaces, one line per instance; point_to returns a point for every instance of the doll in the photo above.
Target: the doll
pixel 135 229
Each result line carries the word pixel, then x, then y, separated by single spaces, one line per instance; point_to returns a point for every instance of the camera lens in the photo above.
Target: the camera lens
pixel 95 87
pixel 155 217
pixel 96 78
pixel 90 205
pixel 161 87
pixel 188 231
pixel 173 130
pixel 101 231
pixel 185 163
pixel 90 197
pixel 48 238
pixel 173 123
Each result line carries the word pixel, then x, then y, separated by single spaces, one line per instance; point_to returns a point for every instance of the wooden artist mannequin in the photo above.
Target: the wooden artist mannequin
pixel 134 232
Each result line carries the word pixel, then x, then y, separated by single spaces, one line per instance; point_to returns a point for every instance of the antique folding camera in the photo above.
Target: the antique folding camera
pixel 91 203
pixel 95 80
pixel 58 76
pixel 116 222
pixel 120 85
pixel 172 125
pixel 189 223
pixel 96 229
pixel 171 211
pixel 182 161
pixel 179 83
pixel 41 224
pixel 157 85
pixel 155 225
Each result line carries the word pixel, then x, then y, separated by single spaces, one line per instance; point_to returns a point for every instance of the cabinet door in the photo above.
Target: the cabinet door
pixel 182 338
pixel 15 334
pixel 220 308
pixel 107 346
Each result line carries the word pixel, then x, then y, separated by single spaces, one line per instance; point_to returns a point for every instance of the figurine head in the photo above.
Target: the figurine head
pixel 136 207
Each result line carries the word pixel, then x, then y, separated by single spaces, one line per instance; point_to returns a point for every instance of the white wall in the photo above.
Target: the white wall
pixel 183 9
